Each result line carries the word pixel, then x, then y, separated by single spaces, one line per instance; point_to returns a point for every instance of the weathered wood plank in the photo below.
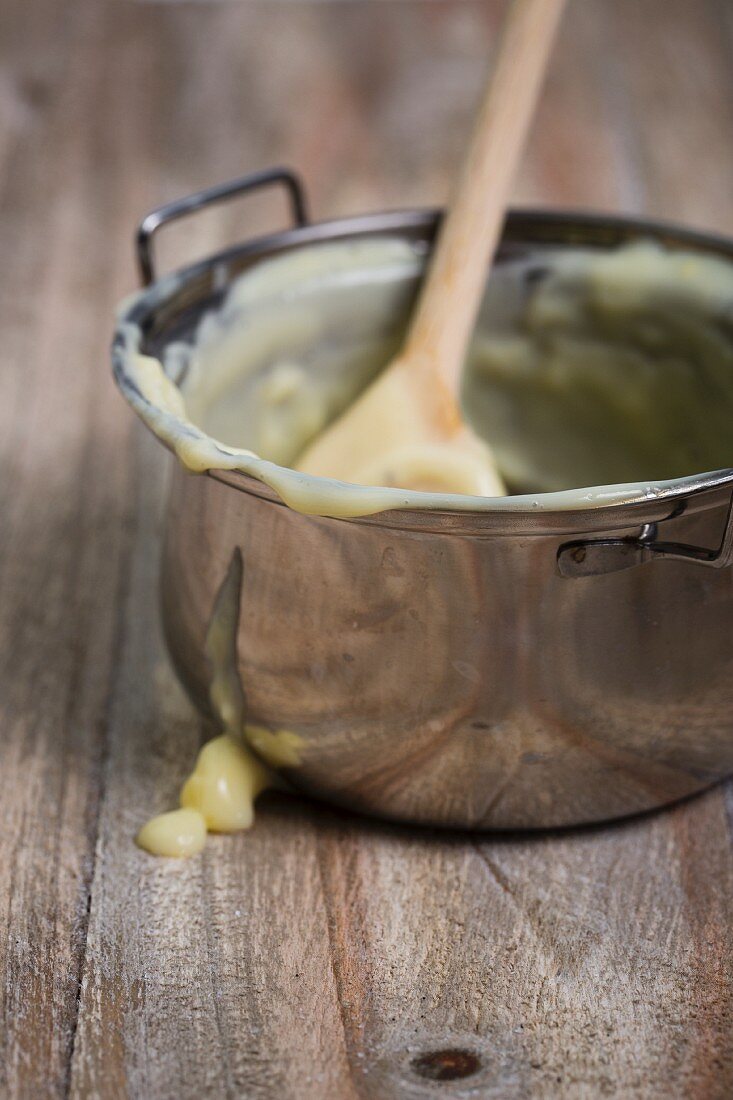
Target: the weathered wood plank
pixel 319 955
pixel 64 543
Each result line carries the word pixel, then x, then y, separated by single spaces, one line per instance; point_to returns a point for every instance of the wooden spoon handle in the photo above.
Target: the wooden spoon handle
pixel 449 301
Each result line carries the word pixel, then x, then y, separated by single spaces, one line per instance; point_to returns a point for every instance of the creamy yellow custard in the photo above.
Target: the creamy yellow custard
pixel 608 370
pixel 178 833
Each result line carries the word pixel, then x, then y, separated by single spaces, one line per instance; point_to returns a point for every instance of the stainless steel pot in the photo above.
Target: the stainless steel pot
pixel 475 669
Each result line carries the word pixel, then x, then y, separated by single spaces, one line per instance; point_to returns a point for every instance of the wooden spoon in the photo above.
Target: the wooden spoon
pixel 407 429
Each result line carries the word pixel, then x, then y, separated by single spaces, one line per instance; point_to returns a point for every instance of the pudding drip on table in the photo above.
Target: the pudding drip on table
pixel 219 794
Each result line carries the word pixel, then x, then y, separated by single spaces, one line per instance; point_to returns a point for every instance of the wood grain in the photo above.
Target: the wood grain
pixel 319 956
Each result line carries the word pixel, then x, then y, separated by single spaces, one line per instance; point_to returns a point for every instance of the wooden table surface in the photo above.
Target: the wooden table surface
pixel 318 956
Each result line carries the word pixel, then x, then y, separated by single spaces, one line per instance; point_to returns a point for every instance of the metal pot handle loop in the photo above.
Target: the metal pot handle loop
pixel 595 557
pixel 179 208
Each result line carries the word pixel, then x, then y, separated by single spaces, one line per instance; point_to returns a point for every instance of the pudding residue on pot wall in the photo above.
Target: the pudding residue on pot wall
pixel 610 370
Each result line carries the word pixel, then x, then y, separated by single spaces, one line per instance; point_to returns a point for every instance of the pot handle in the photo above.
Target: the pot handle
pixel 179 208
pixel 595 557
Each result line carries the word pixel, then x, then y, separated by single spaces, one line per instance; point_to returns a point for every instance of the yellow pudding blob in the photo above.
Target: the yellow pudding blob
pixel 280 748
pixel 178 833
pixel 224 784
pixel 218 797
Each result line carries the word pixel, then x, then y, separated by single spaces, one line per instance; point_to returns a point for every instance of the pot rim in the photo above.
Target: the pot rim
pixel 604 507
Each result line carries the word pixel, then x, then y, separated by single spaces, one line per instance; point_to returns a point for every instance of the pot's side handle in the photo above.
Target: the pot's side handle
pixel 179 208
pixel 595 557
